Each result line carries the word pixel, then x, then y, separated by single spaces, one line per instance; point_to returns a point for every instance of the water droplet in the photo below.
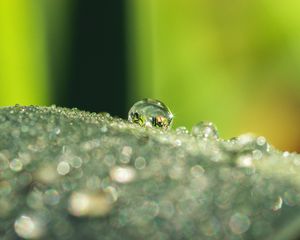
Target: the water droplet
pixel 63 168
pixel 126 154
pixel 257 154
pixel 140 163
pixel 51 197
pixel 239 223
pixel 182 130
pixel 123 174
pixel 29 227
pixel 151 113
pixel 285 154
pixel 177 142
pixel 76 162
pixel 261 141
pixel 244 160
pixel 90 204
pixel 16 165
pixel 104 129
pixel 205 130
pixel 197 171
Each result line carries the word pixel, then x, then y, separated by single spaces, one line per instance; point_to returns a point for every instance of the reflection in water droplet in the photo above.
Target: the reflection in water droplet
pixel 122 174
pixel 277 204
pixel 28 227
pixel 239 223
pixel 205 130
pixel 151 113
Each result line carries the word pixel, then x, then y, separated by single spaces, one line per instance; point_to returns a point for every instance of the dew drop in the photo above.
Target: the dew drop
pixel 90 204
pixel 239 223
pixel 182 130
pixel 257 154
pixel 140 163
pixel 151 113
pixel 205 130
pixel 76 162
pixel 51 197
pixel 63 168
pixel 245 161
pixel 197 171
pixel 16 165
pixel 261 141
pixel 28 227
pixel 123 174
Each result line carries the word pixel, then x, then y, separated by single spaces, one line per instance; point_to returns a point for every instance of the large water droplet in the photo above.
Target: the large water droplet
pixel 151 113
pixel 205 130
pixel 29 227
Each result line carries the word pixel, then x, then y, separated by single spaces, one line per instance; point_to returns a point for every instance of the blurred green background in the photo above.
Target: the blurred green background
pixel 235 63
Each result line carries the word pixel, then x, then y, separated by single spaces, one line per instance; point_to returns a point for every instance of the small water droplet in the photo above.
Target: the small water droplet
pixel 285 154
pixel 205 130
pixel 16 165
pixel 261 141
pixel 123 174
pixel 127 151
pixel 182 130
pixel 140 163
pixel 151 113
pixel 197 171
pixel 245 161
pixel 51 197
pixel 94 204
pixel 63 168
pixel 239 223
pixel 257 154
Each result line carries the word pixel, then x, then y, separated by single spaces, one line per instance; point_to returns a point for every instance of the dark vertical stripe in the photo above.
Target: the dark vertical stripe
pixel 97 79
